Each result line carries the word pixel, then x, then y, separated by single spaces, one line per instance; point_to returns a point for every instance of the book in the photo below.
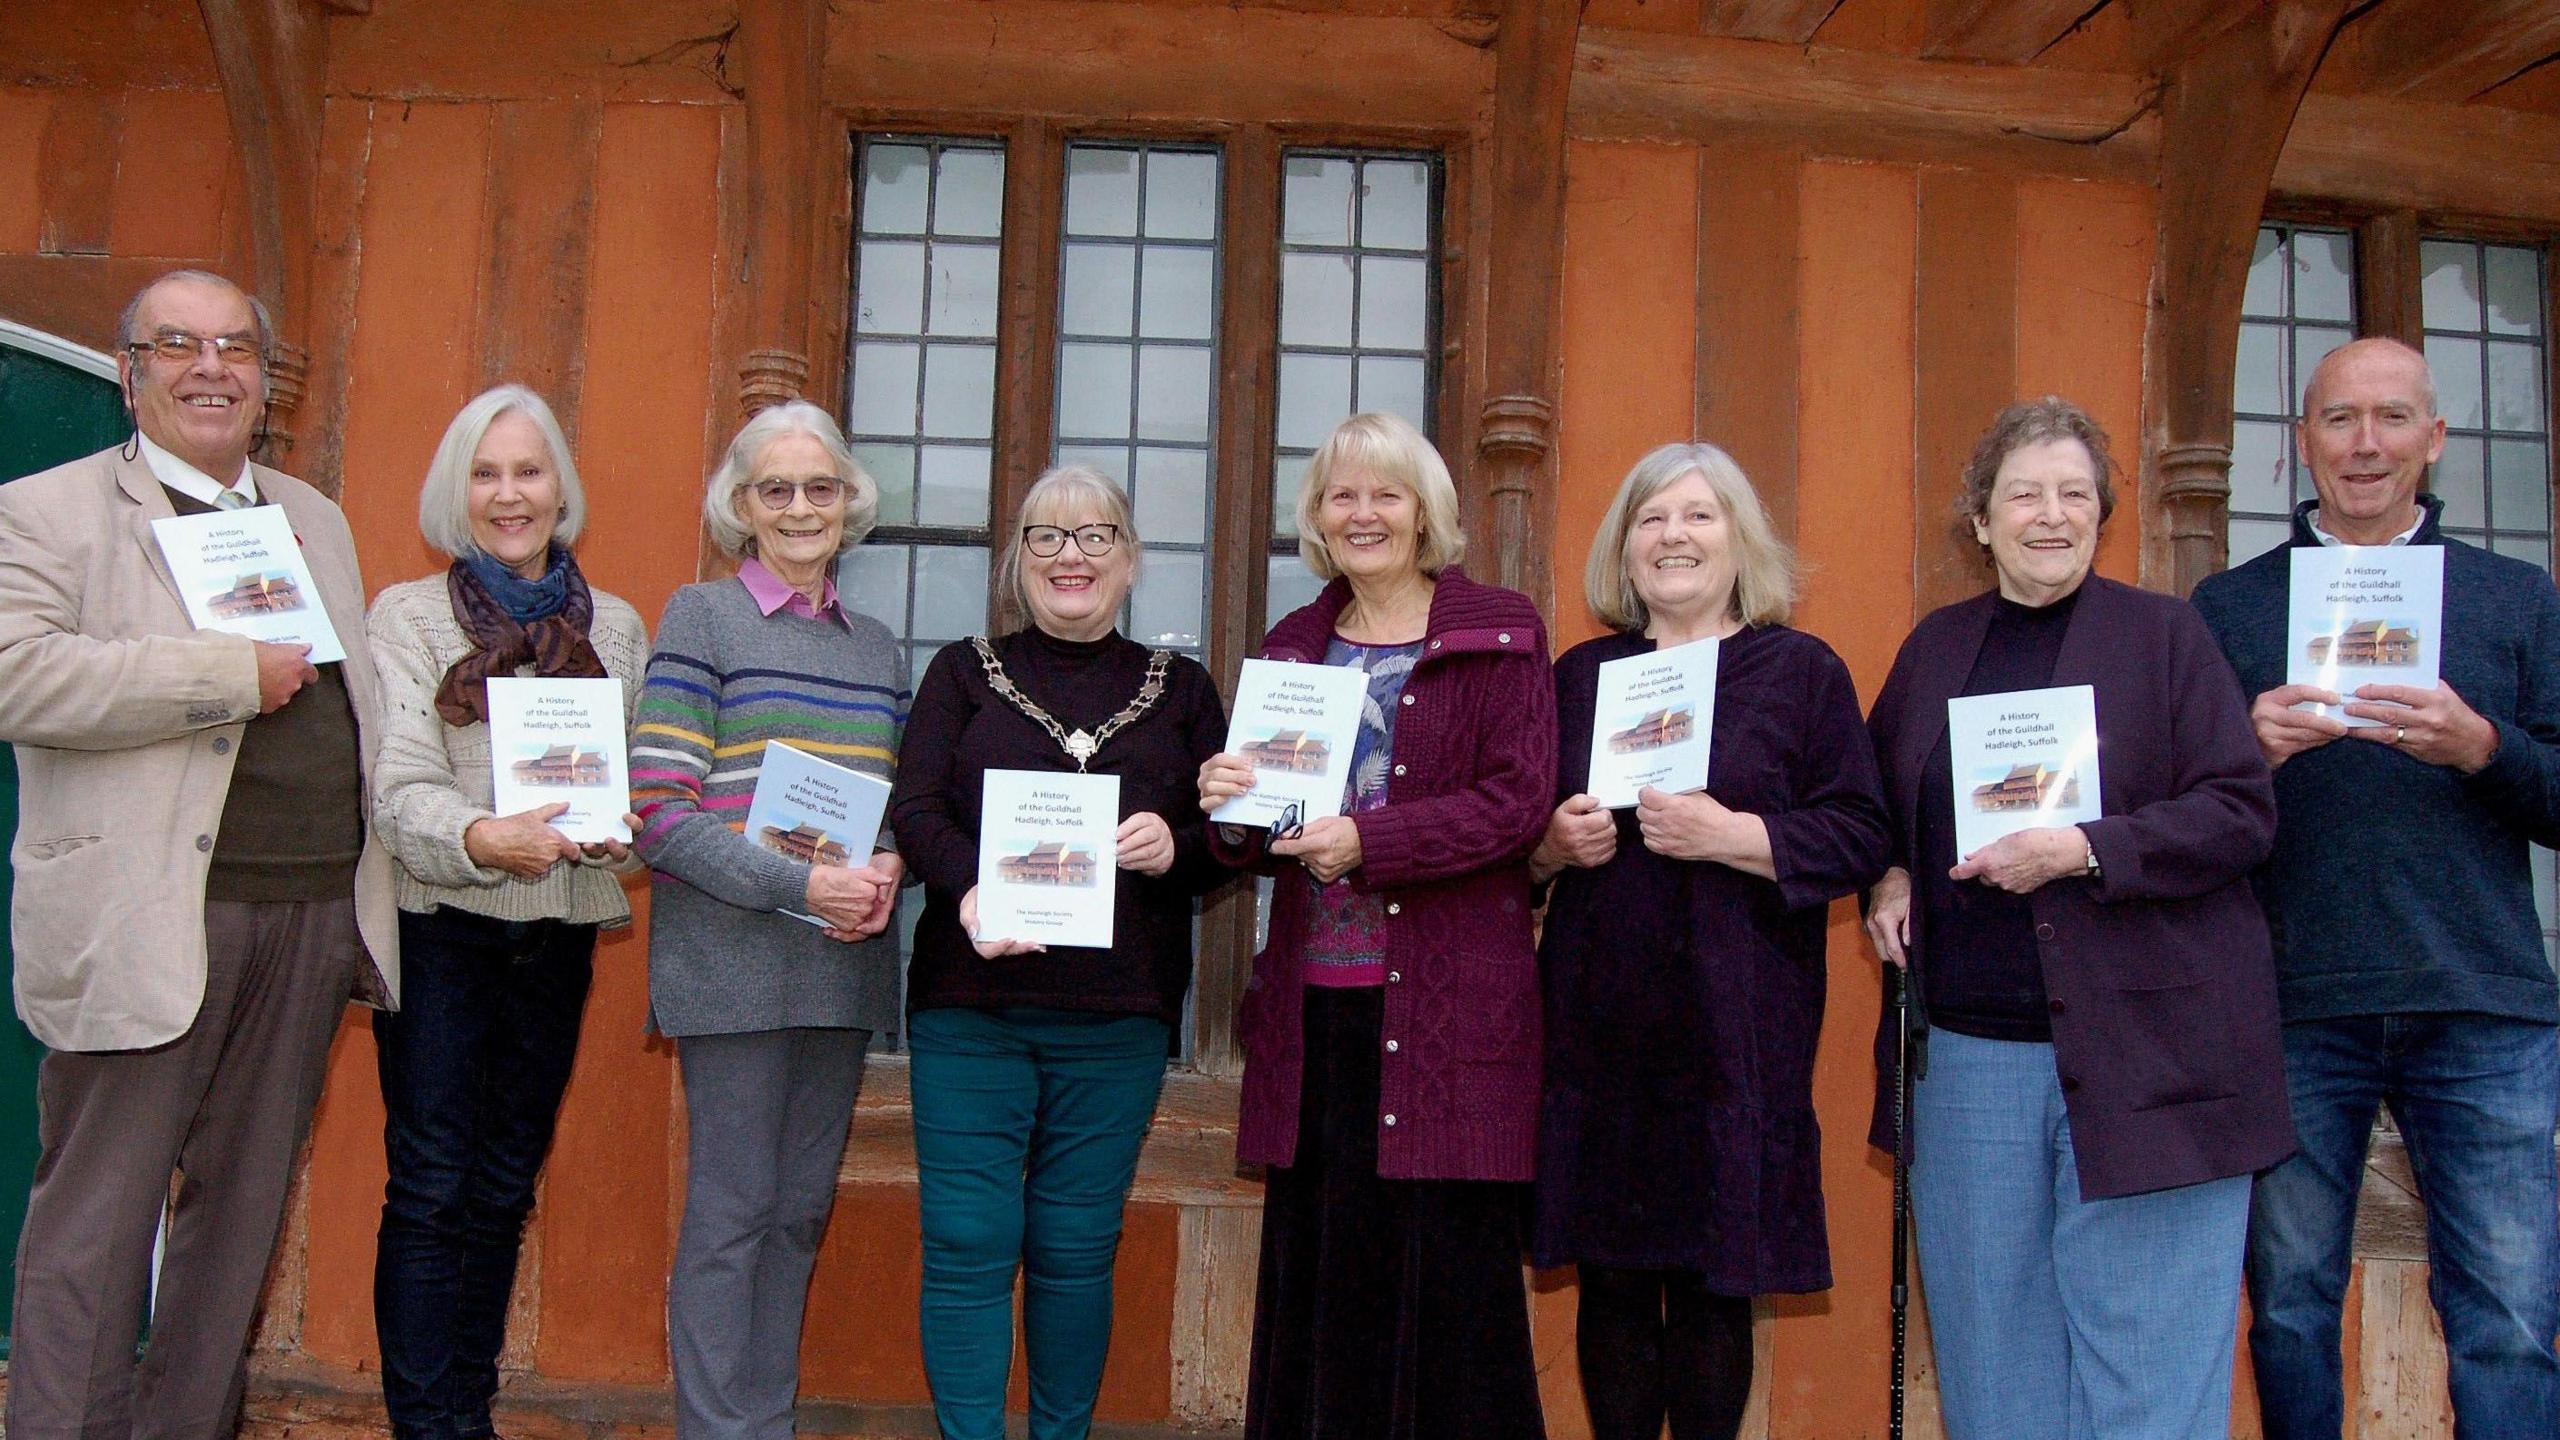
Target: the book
pixel 1652 722
pixel 2022 760
pixel 2364 615
pixel 554 741
pixel 242 572
pixel 1048 857
pixel 1297 724
pixel 815 811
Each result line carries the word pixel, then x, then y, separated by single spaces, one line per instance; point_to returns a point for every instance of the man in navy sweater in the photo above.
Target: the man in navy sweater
pixel 2401 900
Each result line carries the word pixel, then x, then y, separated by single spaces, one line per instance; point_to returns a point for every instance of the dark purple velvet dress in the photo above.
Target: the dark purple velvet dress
pixel 1684 999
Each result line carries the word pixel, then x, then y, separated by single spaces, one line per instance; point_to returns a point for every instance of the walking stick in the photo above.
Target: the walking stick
pixel 1901 980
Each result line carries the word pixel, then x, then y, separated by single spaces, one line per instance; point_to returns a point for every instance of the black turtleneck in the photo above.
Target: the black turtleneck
pixel 1980 974
pixel 959 729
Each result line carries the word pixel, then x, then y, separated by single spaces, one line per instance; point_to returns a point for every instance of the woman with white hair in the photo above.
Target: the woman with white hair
pixel 498 913
pixel 771 1015
pixel 1679 1163
pixel 1036 1072
pixel 1390 1029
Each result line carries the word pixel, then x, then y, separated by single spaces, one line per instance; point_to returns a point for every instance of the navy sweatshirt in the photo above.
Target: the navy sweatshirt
pixel 2398 886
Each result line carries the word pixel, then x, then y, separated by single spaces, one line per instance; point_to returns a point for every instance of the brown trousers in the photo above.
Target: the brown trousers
pixel 224 1107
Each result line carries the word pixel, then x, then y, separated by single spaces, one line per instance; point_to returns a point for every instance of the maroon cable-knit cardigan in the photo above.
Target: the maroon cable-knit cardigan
pixel 1467 799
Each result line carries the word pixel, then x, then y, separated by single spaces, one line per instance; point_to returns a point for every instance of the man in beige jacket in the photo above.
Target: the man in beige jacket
pixel 197 896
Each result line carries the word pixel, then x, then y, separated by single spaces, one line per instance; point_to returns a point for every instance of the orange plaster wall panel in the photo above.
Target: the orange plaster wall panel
pixel 345 1202
pixel 23 114
pixel 1856 369
pixel 170 181
pixel 648 320
pixel 2084 282
pixel 1629 339
pixel 860 1338
pixel 83 42
pixel 1137 1375
pixel 414 352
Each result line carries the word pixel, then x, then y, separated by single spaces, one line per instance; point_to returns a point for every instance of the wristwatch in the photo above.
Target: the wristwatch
pixel 2091 870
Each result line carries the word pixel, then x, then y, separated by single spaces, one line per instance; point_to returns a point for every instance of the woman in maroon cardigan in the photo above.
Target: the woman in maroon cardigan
pixel 1390 1028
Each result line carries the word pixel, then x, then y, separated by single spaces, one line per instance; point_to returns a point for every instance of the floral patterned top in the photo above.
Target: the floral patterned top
pixel 1346 941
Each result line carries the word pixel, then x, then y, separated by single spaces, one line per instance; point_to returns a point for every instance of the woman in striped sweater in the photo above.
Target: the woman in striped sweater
pixel 771 1015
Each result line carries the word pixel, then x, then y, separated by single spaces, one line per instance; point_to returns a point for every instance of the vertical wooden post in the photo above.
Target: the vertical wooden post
pixel 783 45
pixel 1515 449
pixel 2225 108
pixel 2387 279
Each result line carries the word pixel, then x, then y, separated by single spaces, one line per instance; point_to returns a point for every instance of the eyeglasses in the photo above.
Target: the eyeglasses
pixel 776 494
pixel 181 348
pixel 1047 540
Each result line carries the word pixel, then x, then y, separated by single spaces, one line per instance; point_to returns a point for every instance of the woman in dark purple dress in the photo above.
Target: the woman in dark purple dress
pixel 1679 1161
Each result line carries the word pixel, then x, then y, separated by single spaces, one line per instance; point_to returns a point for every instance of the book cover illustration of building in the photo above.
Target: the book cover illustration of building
pixel 1049 863
pixel 2367 642
pixel 2025 787
pixel 1654 730
pixel 806 843
pixel 566 766
pixel 256 593
pixel 1301 752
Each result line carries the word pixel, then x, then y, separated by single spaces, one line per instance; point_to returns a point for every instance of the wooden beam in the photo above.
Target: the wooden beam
pixel 2429 50
pixel 783 45
pixel 2166 31
pixel 2001 32
pixel 2387 280
pixel 2224 115
pixel 1630 86
pixel 2376 153
pixel 1966 362
pixel 1790 22
pixel 541 221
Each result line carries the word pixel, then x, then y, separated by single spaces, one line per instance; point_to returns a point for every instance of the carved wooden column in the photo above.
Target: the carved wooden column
pixel 783 46
pixel 273 59
pixel 1515 446
pixel 2225 108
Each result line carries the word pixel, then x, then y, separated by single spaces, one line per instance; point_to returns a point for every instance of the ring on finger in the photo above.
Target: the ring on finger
pixel 2399 734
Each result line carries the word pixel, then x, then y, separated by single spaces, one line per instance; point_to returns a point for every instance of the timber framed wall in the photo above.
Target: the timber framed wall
pixel 1831 235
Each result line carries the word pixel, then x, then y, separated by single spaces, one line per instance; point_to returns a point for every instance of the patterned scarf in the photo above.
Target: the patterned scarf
pixel 524 626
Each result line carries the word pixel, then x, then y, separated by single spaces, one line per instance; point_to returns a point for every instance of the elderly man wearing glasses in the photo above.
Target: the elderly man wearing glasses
pixel 198 890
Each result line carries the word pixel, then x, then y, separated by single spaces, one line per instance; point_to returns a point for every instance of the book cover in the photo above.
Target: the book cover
pixel 1048 857
pixel 2022 760
pixel 242 572
pixel 1297 724
pixel 1653 721
pixel 553 741
pixel 815 811
pixel 2364 615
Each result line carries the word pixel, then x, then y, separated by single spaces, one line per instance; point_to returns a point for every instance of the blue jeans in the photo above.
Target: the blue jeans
pixel 2476 1097
pixel 473 1065
pixel 2052 1315
pixel 1028 1125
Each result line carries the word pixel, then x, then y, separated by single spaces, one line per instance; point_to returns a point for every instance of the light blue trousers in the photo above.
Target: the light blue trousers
pixel 2054 1316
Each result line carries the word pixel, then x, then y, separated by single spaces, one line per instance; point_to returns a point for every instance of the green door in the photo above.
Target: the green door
pixel 54 406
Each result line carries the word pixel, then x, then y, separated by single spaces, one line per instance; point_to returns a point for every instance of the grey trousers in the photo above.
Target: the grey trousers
pixel 224 1106
pixel 766 1114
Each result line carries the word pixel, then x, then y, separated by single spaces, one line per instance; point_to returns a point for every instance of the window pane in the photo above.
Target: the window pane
pixel 2458 477
pixel 2323 276
pixel 2265 294
pixel 968 197
pixel 1315 201
pixel 1315 299
pixel 959 391
pixel 1315 396
pixel 1111 460
pixel 1395 208
pixel 1168 603
pixel 873 580
pixel 2253 538
pixel 893 469
pixel 894 179
pixel 1171 496
pixel 1182 195
pixel 1394 296
pixel 2514 284
pixel 951 591
pixel 2259 482
pixel 1173 393
pixel 964 290
pixel 1394 384
pixel 1285 485
pixel 2311 345
pixel 2451 289
pixel 1097 294
pixel 1093 391
pixel 891 287
pixel 955 485
pixel 2532 549
pixel 884 388
pixel 2456 364
pixel 2520 484
pixel 1178 296
pixel 1288 585
pixel 2258 386
pixel 2515 387
pixel 1102 191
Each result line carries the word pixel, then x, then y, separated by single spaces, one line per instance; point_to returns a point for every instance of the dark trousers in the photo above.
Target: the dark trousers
pixel 1388 1309
pixel 225 1105
pixel 1656 1344
pixel 473 1067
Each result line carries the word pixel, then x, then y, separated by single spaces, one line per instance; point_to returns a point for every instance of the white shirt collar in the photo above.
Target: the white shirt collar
pixel 189 481
pixel 2402 538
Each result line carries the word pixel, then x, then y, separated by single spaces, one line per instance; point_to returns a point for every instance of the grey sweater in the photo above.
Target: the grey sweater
pixel 725 679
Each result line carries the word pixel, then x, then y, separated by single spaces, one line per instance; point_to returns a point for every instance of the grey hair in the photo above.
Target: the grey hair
pixel 261 317
pixel 2025 423
pixel 1050 498
pixel 738 466
pixel 1764 566
pixel 1388 447
pixel 444 501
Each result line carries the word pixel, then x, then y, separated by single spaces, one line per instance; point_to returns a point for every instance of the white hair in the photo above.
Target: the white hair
pixel 444 501
pixel 737 470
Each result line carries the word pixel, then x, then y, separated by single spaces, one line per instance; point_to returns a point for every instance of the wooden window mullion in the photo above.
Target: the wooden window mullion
pixel 2389 299
pixel 1027 321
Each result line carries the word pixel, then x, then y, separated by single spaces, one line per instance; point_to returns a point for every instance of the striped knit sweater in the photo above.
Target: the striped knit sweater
pixel 727 678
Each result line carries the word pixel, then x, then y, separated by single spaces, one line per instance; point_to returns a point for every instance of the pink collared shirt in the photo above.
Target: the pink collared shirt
pixel 772 594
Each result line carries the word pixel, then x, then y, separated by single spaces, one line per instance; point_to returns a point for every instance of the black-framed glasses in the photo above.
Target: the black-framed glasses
pixel 776 493
pixel 1047 540
pixel 179 347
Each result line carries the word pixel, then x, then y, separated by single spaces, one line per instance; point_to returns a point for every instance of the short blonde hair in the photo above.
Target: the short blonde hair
pixel 1050 498
pixel 1388 447
pixel 444 501
pixel 738 467
pixel 1764 566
